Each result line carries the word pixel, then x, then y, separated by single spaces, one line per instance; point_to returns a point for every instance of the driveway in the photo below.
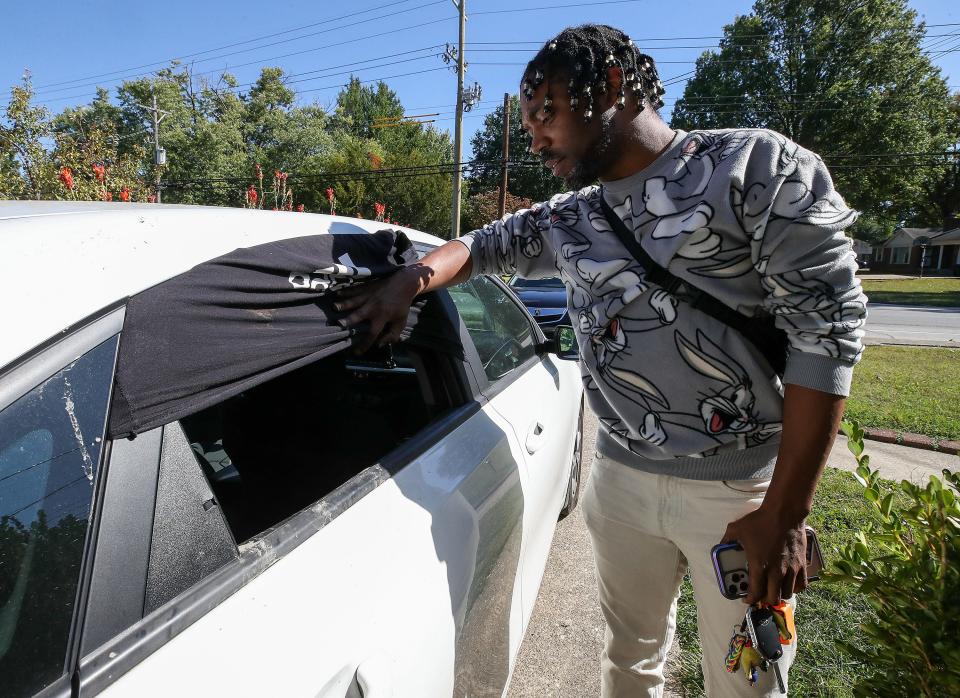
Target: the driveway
pixel 907 324
pixel 560 655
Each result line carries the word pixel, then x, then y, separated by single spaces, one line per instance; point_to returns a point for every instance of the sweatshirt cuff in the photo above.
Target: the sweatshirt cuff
pixel 473 246
pixel 819 372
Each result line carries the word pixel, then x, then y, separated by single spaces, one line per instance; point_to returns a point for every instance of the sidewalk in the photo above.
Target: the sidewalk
pixel 895 462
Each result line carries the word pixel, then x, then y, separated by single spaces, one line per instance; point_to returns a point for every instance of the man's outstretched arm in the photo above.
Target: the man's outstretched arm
pixel 513 244
pixel 385 304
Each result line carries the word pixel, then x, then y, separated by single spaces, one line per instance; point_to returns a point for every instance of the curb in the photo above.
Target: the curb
pixel 905 438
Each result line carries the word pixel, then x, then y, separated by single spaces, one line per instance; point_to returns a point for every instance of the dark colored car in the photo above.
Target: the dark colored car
pixel 546 299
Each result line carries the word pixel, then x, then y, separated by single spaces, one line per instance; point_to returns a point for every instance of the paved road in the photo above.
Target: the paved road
pixel 907 324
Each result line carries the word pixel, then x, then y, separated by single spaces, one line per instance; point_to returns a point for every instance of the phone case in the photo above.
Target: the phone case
pixel 730 565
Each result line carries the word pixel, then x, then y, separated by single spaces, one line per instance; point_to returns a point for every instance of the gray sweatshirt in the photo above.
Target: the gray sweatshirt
pixel 747 216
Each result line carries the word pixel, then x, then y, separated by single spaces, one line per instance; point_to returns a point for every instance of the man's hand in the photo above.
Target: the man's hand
pixel 773 536
pixel 384 304
pixel 776 554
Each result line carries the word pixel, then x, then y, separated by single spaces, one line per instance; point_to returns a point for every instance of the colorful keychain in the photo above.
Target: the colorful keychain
pixel 771 626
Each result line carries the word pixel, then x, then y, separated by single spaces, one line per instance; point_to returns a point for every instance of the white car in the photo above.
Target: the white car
pixel 360 526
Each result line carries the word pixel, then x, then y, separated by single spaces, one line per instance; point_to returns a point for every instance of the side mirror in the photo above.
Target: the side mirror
pixel 563 343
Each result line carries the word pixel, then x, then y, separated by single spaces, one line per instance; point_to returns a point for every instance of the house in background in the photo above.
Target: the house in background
pixel 864 252
pixel 900 254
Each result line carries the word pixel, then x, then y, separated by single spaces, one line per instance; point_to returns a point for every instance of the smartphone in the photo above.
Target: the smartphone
pixel 730 565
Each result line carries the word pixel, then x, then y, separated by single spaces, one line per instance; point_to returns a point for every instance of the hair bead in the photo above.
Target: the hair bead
pixel 583 56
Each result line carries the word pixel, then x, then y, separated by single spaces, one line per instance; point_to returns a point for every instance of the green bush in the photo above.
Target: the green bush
pixel 907 565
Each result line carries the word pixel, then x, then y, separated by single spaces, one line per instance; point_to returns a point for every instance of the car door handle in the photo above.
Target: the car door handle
pixel 536 437
pixel 373 677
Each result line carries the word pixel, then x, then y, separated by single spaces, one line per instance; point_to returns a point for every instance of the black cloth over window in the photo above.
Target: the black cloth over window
pixel 249 316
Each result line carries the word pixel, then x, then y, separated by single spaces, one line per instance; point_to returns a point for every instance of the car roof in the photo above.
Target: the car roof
pixel 62 261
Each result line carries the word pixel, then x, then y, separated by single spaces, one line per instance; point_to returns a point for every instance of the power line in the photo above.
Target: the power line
pixel 738 44
pixel 72 82
pixel 380 79
pixel 341 43
pixel 783 110
pixel 267 36
pixel 555 7
pixel 259 61
pixel 685 38
pixel 805 59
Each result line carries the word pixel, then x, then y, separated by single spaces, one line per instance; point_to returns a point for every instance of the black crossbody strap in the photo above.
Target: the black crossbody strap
pixel 655 273
pixel 760 331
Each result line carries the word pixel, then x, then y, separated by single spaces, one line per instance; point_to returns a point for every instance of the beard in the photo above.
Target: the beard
pixel 597 157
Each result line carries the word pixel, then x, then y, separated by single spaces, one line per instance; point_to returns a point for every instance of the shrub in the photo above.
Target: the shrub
pixel 907 565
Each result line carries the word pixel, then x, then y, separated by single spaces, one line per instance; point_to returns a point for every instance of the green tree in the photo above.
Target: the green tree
pixel 358 107
pixel 26 170
pixel 944 191
pixel 483 207
pixel 84 163
pixel 420 197
pixel 532 181
pixel 842 79
pixel 216 135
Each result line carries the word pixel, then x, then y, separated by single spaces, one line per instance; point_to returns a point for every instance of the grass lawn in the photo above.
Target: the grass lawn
pixel 825 612
pixel 942 292
pixel 915 389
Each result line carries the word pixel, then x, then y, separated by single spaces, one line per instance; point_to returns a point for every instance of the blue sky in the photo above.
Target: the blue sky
pixel 72 47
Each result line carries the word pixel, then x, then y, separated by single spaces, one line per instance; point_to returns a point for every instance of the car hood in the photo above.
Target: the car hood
pixel 539 298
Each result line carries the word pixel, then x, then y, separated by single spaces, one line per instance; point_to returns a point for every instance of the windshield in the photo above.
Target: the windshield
pixel 552 284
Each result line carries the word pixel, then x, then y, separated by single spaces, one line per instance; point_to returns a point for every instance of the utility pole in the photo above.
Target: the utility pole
pixel 458 130
pixel 159 154
pixel 502 208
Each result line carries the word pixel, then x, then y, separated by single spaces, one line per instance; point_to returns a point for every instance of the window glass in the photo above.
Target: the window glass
pixel 552 284
pixel 281 446
pixel 500 330
pixel 50 443
pixel 901 255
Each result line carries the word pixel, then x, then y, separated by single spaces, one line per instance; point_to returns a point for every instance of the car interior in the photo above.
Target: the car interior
pixel 277 448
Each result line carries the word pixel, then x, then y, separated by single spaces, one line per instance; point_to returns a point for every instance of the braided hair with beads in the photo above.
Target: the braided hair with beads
pixel 583 55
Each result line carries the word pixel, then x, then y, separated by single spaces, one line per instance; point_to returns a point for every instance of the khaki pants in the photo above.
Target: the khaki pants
pixel 646 530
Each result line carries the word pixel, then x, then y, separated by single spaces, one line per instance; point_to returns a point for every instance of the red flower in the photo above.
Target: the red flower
pixel 66 176
pixel 299 208
pixel 289 205
pixel 258 171
pixel 100 172
pixel 275 208
pixel 152 199
pixel 108 196
pixel 276 174
pixel 330 194
pixel 252 195
pixel 124 194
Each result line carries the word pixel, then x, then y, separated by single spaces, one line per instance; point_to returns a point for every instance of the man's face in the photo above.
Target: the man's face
pixel 577 152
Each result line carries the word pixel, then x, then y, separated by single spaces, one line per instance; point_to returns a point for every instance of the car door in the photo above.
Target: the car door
pixel 538 398
pixel 413 563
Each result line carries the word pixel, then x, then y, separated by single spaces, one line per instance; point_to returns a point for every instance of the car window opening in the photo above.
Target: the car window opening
pixel 281 446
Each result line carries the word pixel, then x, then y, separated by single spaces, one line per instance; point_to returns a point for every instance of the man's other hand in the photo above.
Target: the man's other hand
pixel 776 554
pixel 384 304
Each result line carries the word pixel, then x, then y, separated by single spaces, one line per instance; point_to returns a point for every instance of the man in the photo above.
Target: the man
pixel 700 440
